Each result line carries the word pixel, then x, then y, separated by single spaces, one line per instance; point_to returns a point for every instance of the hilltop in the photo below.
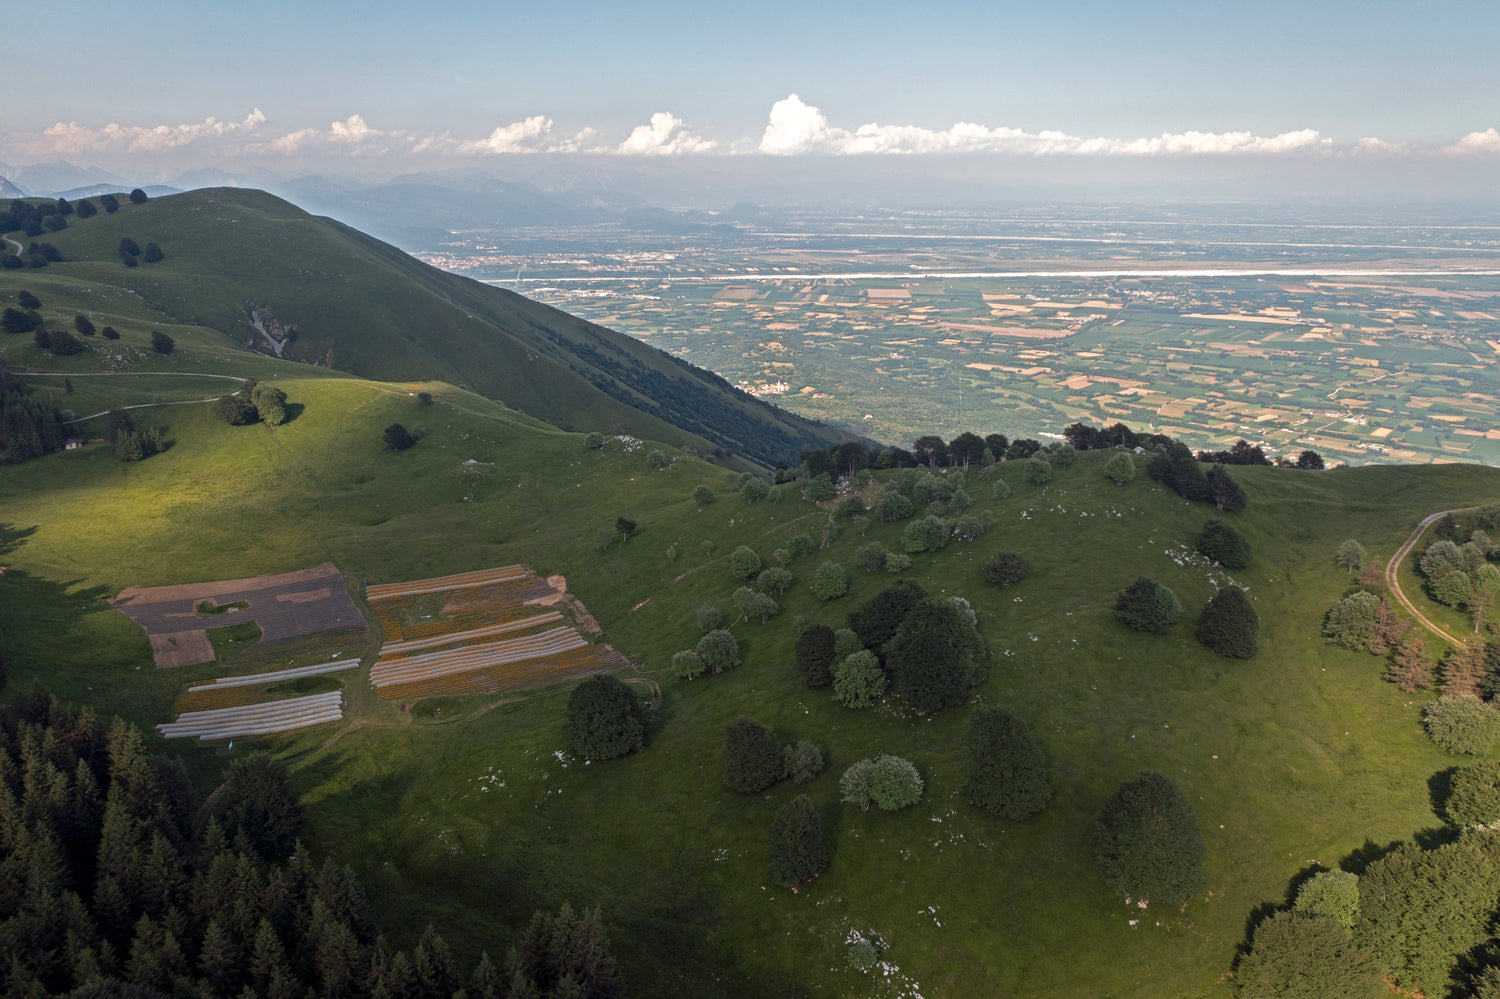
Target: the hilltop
pixel 326 294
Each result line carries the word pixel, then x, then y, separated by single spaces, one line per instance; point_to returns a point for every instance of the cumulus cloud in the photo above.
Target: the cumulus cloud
pixel 536 134
pixel 71 137
pixel 666 135
pixel 796 127
pixel 1487 141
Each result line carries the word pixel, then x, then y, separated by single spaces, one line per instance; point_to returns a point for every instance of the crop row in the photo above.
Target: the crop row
pixel 287 715
pixel 552 642
pixel 393 649
pixel 438 584
pixel 571 665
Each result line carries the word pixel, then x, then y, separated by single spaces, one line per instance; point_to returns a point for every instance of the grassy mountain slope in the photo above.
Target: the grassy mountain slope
pixel 1299 754
pixel 365 307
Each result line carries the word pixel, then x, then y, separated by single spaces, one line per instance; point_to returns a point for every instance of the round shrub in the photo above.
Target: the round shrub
pixel 862 955
pixel 895 783
pixel 1120 469
pixel 1147 842
pixel 719 650
pixel 605 720
pixel 1037 470
pixel 1331 893
pixel 1147 605
pixel 1005 568
pixel 1474 795
pixel 1229 625
pixel 744 563
pixel 804 761
pixel 1000 490
pixel 703 496
pixel 1462 723
pixel 1218 542
pixel 830 581
pixel 710 617
pixel 687 665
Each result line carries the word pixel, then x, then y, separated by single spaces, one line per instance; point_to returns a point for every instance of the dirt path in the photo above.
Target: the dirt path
pixel 1393 575
pixel 19 248
pixel 143 405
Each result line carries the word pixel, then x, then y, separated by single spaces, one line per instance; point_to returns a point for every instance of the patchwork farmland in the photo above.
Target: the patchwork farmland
pixel 481 633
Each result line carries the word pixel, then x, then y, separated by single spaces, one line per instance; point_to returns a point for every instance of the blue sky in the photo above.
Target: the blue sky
pixel 172 85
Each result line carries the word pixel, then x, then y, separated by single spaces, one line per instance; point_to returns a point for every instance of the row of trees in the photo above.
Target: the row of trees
pixel 107 889
pixel 34 215
pixel 252 402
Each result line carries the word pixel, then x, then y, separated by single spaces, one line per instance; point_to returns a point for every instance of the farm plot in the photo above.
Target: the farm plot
pixel 285 606
pixel 477 633
pixel 289 715
pixel 234 691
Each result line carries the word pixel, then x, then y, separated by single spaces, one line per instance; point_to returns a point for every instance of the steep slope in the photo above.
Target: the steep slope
pixel 363 306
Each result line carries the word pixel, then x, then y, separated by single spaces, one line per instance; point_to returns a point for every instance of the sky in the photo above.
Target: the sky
pixel 1317 89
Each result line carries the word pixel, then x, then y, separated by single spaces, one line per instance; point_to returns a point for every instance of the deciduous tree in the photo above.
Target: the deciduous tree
pixel 859 680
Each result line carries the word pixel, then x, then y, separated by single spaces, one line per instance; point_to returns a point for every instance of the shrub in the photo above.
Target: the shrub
pixel 1474 795
pixel 719 651
pixel 753 759
pixel 858 680
pixel 1147 605
pixel 1351 623
pixel 1004 767
pixel 703 496
pixel 744 563
pixel 605 719
pixel 871 556
pixel 897 562
pixel 895 783
pixel 687 665
pixel 397 438
pixel 1000 490
pixel 797 852
pixel 1064 455
pixel 109 333
pixel 863 955
pixel 593 441
pixel 1462 723
pixel 929 534
pixel 1334 894
pixel 830 581
pixel 153 254
pixel 1228 624
pixel 161 343
pixel 1296 955
pixel 1147 842
pixel 819 487
pixel 710 617
pixel 657 458
pixel 804 761
pixel 815 650
pixel 1120 468
pixel 1005 568
pixel 1037 470
pixel 1218 542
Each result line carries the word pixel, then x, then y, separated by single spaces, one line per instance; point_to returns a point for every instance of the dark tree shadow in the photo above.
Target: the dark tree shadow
pixel 1439 787
pixel 293 410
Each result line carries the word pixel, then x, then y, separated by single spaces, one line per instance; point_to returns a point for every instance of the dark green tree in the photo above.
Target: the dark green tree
pixel 83 325
pixel 1147 605
pixel 1474 795
pixel 1310 460
pixel 1004 766
pixel 1295 955
pixel 137 196
pixel 1225 493
pixel 1005 568
pixel 936 656
pixel 257 802
pixel 1147 842
pixel 153 253
pixel 1218 542
pixel 27 300
pixel 797 851
pixel 397 438
pixel 129 247
pixel 814 653
pixel 625 526
pixel 86 209
pixel 109 333
pixel 1228 624
pixel 877 622
pixel 563 956
pixel 161 343
pixel 605 719
pixel 753 759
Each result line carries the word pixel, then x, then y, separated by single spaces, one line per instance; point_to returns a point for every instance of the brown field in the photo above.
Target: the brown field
pixel 286 605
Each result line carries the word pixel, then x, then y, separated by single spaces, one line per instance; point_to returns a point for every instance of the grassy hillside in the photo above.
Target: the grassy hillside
pixel 362 306
pixel 1298 755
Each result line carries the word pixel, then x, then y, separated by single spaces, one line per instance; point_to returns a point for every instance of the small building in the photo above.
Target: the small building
pixel 72 444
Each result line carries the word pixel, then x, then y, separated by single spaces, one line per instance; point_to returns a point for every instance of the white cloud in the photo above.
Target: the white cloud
pixel 352 131
pixel 1487 141
pixel 71 137
pixel 535 134
pixel 666 135
pixel 293 141
pixel 796 127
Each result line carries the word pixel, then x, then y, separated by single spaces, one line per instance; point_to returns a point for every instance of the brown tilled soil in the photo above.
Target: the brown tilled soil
pixel 556 592
pixel 181 648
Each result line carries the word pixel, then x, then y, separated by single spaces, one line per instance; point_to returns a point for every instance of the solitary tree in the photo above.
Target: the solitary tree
pixel 625 526
pixel 702 495
pixel 1005 568
pixel 895 783
pixel 830 581
pixel 1147 605
pixel 137 196
pixel 397 438
pixel 1310 459
pixel 1351 555
pixel 1228 624
pixel 1218 542
pixel 1120 468
pixel 270 404
pixel 605 719
pixel 744 563
pixel 753 759
pixel 797 852
pixel 161 343
pixel 1224 491
pixel 1038 470
pixel 1147 842
pixel 153 253
pixel 719 650
pixel 1004 767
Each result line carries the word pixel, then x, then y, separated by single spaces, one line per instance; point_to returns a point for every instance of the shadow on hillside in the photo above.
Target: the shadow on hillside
pixel 1439 788
pixel 13 537
pixel 293 410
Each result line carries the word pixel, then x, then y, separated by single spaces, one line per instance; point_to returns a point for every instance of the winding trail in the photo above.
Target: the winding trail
pixel 1393 575
pixel 19 248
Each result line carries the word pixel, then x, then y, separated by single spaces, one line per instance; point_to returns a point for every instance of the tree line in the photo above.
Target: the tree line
pixel 28 427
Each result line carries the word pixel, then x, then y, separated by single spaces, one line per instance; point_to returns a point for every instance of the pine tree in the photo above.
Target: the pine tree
pixel 1410 668
pixel 1147 841
pixel 797 851
pixel 1464 668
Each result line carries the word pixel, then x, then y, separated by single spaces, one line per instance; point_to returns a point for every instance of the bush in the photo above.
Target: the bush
pixel 593 440
pixel 1037 470
pixel 753 759
pixel 1462 723
pixel 1005 568
pixel 710 617
pixel 137 196
pixel 1120 469
pixel 1474 795
pixel 830 581
pixel 397 438
pixel 929 534
pixel 1147 842
pixel 804 761
pixel 703 496
pixel 802 545
pixel 1004 767
pixel 605 719
pixel 936 656
pixel 863 955
pixel 1331 893
pixel 687 665
pixel 1218 542
pixel 1147 605
pixel 1064 455
pixel 153 254
pixel 858 680
pixel 719 651
pixel 895 783
pixel 755 489
pixel 897 562
pixel 1296 955
pixel 744 563
pixel 109 333
pixel 1229 625
pixel 815 656
pixel 1000 490
pixel 161 343
pixel 1351 623
pixel 797 852
pixel 819 487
